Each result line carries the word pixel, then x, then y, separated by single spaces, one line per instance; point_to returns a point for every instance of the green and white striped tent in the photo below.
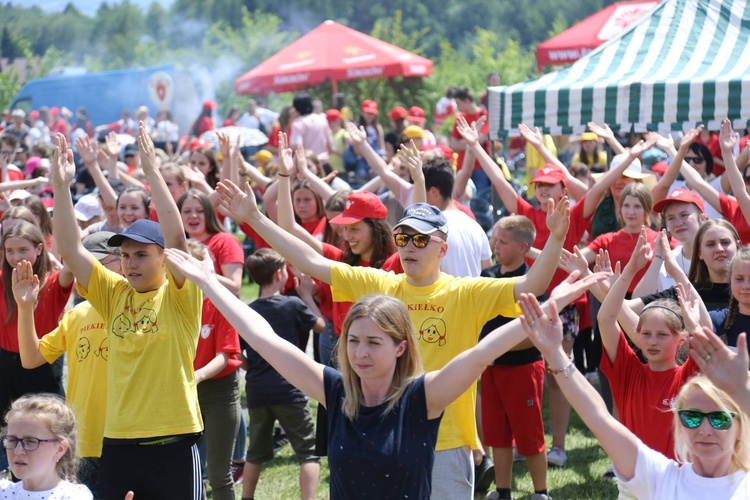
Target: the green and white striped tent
pixel 684 63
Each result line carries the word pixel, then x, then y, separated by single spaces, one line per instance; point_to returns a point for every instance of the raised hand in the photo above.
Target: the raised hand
pixel 413 160
pixel 641 147
pixel 286 166
pixel 642 252
pixel 235 203
pixel 87 150
pixel 533 137
pixel 62 166
pixel 300 162
pixel 223 144
pixel 572 288
pixel 25 284
pixel 691 313
pixel 727 136
pixel 604 132
pixel 113 145
pixel 356 134
pixel 728 370
pixel 573 261
pixel 196 270
pixel 544 331
pixel 603 264
pixel 689 137
pixel 558 218
pixel 661 142
pixel 146 149
pixel 468 132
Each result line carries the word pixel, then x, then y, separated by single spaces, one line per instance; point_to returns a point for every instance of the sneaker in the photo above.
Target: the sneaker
pixel 557 456
pixel 493 495
pixel 484 474
pixel 517 457
pixel 238 468
pixel 540 496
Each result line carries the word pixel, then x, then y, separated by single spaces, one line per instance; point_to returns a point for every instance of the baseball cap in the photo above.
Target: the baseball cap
pixel 682 195
pixel 209 105
pixel 333 115
pixel 98 244
pixel 197 142
pixel 369 106
pixel 18 112
pixel 551 174
pixel 660 167
pixel 589 136
pixel 54 110
pixel 142 231
pixel 413 132
pixel 262 155
pixel 130 150
pixel 398 113
pixel 88 207
pixel 416 115
pixel 634 170
pixel 32 164
pixel 18 194
pixel 34 114
pixel 424 218
pixel 361 205
pixel 443 149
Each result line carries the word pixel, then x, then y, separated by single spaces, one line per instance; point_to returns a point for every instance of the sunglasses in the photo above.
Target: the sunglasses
pixel 720 420
pixel 419 240
pixel 695 160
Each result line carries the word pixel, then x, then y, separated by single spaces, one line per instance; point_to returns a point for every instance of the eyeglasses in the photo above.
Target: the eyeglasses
pixel 111 261
pixel 419 240
pixel 28 444
pixel 720 420
pixel 696 160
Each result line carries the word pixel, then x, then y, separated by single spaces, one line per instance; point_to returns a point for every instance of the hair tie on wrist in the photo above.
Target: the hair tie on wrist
pixel 282 175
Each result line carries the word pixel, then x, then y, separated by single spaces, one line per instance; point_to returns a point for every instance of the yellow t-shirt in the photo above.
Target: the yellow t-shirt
pixel 448 316
pixel 601 158
pixel 152 341
pixel 82 335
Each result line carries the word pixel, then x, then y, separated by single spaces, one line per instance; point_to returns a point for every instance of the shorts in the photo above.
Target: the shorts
pixel 297 421
pixel 512 407
pixel 569 317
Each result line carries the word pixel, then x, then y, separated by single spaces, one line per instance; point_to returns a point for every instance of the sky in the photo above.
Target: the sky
pixel 88 7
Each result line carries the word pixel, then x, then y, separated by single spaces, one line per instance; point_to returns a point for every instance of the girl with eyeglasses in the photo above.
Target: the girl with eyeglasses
pixel 40 441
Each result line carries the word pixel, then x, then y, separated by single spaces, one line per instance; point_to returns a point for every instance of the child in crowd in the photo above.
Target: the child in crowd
pixel 517 375
pixel 729 323
pixel 269 396
pixel 40 439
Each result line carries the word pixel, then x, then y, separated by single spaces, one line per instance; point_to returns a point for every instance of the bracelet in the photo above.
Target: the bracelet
pixel 282 175
pixel 566 370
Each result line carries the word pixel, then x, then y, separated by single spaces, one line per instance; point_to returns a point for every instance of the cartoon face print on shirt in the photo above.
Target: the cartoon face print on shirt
pixel 433 330
pixel 145 322
pixel 103 350
pixel 83 348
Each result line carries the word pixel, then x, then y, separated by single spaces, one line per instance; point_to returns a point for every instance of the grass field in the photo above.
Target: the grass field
pixel 579 479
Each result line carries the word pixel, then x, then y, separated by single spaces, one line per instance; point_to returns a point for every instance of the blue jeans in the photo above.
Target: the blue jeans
pixel 327 342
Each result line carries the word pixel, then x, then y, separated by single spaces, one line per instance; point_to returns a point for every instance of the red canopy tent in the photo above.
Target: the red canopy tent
pixel 330 52
pixel 580 39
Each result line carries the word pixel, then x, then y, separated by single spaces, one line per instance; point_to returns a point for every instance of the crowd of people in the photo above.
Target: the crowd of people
pixel 615 278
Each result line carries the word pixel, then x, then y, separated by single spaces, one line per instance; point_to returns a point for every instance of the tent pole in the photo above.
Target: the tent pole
pixel 334 89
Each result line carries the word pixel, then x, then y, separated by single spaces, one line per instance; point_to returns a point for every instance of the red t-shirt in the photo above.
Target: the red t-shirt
pixel 713 145
pixel 644 397
pixel 217 335
pixel 620 246
pixel 578 226
pixel 253 235
pixel 485 130
pixel 50 307
pixel 225 248
pixel 730 209
pixel 341 309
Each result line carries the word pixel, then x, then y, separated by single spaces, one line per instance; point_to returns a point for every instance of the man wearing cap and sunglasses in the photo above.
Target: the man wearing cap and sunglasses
pixel 447 312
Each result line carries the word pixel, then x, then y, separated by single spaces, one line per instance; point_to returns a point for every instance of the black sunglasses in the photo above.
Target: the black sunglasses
pixel 696 160
pixel 720 420
pixel 419 240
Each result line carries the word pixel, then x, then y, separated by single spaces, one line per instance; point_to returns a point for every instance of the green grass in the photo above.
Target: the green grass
pixel 579 479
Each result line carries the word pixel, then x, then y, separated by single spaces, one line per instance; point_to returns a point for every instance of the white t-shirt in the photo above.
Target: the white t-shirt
pixel 468 246
pixel 657 477
pixel 63 491
pixel 665 280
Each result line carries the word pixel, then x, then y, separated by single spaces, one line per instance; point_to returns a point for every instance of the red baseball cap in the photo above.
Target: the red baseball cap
pixel 416 115
pixel 681 195
pixel 444 149
pixel 361 205
pixel 209 105
pixel 333 115
pixel 54 110
pixel 551 174
pixel 199 143
pixel 34 114
pixel 369 106
pixel 398 113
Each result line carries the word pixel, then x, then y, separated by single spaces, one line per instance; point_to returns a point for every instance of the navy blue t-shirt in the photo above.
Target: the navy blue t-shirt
pixel 741 324
pixel 288 316
pixel 380 456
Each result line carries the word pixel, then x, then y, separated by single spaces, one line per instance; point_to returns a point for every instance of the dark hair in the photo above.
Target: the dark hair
pixel 335 203
pixel 145 197
pixel 212 177
pixel 382 244
pixel 303 103
pixel 464 94
pixel 584 157
pixel 263 264
pixel 702 150
pixel 41 266
pixel 438 173
pixel 195 127
pixel 39 209
pixel 213 226
pixel 450 92
pixel 339 100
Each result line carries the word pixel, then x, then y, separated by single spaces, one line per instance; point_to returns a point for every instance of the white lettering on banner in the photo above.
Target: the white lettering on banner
pixel 567 55
pixel 417 69
pixel 296 78
pixel 364 72
pixel 297 64
pixel 352 60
